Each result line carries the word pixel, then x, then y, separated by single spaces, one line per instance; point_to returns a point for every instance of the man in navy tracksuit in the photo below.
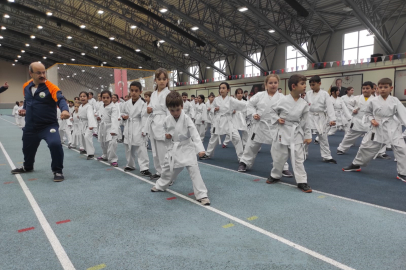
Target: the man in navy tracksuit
pixel 41 99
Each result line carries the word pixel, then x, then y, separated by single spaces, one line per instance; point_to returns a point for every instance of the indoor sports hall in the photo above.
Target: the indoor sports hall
pixel 100 213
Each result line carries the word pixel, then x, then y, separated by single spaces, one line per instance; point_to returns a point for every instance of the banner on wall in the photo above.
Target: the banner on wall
pixel 120 82
pixel 400 84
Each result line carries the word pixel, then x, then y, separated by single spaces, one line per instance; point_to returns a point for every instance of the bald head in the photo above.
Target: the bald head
pixel 37 73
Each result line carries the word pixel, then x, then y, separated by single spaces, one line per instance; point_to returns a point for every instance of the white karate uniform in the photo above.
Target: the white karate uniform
pixel 200 119
pixel 20 119
pixel 240 123
pixel 134 141
pixel 222 124
pixel 348 101
pixel 290 136
pixel 209 108
pixel 357 126
pixel 262 131
pixel 76 131
pixel 182 150
pixel 188 108
pixel 320 115
pixel 87 120
pixel 342 113
pixel 388 113
pixel 15 113
pixel 108 124
pixel 64 127
pixel 156 127
pixel 93 103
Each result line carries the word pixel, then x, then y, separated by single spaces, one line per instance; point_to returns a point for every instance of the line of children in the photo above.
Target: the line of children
pixel 343 115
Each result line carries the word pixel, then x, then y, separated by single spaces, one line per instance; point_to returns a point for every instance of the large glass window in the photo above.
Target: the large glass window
pixel 250 69
pixel 358 45
pixel 294 58
pixel 222 66
pixel 195 71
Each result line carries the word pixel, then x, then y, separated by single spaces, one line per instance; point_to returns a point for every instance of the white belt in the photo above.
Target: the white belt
pixel 173 152
pixel 293 125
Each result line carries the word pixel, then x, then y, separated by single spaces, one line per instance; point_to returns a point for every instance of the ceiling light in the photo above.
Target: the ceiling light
pixel 49 13
pixel 1 37
pixel 194 28
pixel 22 51
pixel 27 45
pixel 16 60
pixel 51 52
pixel 139 67
pixel 83 70
pixel 59 45
pixel 348 9
pixel 208 67
pixel 111 38
pixel 6 16
pixel 69 37
pixel 68 76
pixel 44 57
pixel 40 27
pixel 133 26
pixel 92 67
pixel 61 79
pixel 271 31
pixel 95 47
pixel 3 28
pixel 186 54
pixel 161 41
pixel 18 56
pixel 100 77
pixel 74 74
pixel 83 53
pixel 73 59
pixel 104 63
pixel 119 57
pixel 111 75
pixel 13 64
pixel 163 10
pixel 137 50
pixel 100 11
pixel 32 37
pixel 11 1
pixel 242 9
pixel 64 64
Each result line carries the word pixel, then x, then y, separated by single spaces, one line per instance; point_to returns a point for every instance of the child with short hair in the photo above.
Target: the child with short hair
pixel 134 141
pixel 188 108
pixel 239 120
pixel 108 129
pixel 321 116
pixel 183 143
pixel 201 116
pixel 384 113
pixel 293 131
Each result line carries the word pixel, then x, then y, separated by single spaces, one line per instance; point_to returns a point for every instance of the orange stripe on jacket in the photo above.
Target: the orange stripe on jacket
pixel 25 85
pixel 53 89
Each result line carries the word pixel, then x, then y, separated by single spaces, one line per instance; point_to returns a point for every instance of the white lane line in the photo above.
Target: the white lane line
pixel 321 192
pixel 56 245
pixel 244 223
pixel 8 121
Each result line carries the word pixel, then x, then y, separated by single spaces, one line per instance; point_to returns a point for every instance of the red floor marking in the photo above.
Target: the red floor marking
pixel 256 180
pixel 190 194
pixel 171 198
pixel 63 221
pixel 32 179
pixel 8 182
pixel 27 229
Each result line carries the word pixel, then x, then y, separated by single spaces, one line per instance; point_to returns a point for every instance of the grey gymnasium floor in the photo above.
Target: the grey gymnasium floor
pixel 103 218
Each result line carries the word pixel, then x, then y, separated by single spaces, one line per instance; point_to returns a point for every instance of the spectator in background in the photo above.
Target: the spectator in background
pixel 280 90
pixel 339 83
pixel 245 97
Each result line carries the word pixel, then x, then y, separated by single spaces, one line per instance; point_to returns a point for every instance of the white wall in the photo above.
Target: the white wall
pixel 16 76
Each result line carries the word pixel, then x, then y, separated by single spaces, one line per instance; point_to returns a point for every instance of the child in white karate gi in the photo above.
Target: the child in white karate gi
pixel 357 126
pixel 15 111
pixel 21 119
pixel 188 108
pixel 201 116
pixel 87 124
pixel 76 134
pixel 134 141
pixel 64 128
pixel 158 112
pixel 209 107
pixel 183 143
pixel 343 115
pixel 381 112
pixel 107 117
pixel 321 116
pixel 263 126
pixel 239 120
pixel 293 131
pixel 222 123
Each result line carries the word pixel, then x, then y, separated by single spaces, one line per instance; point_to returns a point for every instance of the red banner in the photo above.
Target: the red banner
pixel 325 64
pixel 375 59
pixel 313 65
pixel 282 70
pixel 118 83
pixel 338 63
pixel 391 57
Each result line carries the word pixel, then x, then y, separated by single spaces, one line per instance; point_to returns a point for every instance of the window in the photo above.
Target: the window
pixel 294 58
pixel 174 78
pixel 195 71
pixel 250 69
pixel 216 74
pixel 358 45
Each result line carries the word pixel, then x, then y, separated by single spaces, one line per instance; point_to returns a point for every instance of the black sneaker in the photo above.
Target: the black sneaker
pixel 305 187
pixel 316 142
pixel 154 176
pixel 352 168
pixel 332 161
pixel 287 174
pixel 340 152
pixel 204 157
pixel 83 152
pixel 128 169
pixel 146 173
pixel 242 167
pixel 383 156
pixel 89 157
pixel 58 177
pixel 21 170
pixel 401 177
pixel 272 180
